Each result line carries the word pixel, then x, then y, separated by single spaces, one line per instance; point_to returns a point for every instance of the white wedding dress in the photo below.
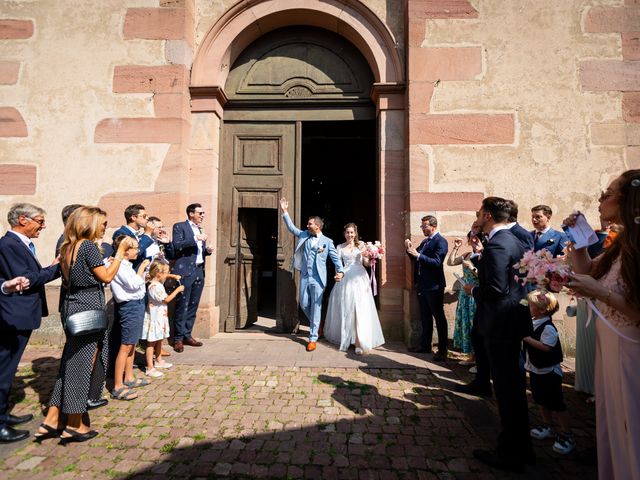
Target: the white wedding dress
pixel 352 310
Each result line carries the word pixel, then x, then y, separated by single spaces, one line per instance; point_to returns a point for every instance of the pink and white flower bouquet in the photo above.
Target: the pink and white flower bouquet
pixel 543 270
pixel 373 251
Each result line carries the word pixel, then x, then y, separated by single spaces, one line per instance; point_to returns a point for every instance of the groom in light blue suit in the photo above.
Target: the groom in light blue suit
pixel 310 258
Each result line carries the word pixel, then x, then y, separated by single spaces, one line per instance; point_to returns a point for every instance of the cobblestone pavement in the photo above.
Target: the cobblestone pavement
pixel 388 415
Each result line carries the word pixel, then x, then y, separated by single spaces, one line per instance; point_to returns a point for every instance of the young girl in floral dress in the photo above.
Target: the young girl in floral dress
pixel 156 319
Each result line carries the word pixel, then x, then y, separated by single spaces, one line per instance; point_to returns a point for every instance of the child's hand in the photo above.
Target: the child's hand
pixel 176 277
pixel 145 263
pixel 180 289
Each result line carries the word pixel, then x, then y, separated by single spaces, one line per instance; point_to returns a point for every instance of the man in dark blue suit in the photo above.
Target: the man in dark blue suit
pixel 137 219
pixel 430 283
pixel 523 236
pixel 190 251
pixel 543 235
pixel 502 323
pixel 21 312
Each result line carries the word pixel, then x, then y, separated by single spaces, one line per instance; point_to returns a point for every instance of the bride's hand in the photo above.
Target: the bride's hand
pixel 570 221
pixel 338 276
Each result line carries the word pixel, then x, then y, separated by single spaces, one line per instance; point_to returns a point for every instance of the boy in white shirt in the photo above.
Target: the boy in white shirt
pixel 544 354
pixel 128 289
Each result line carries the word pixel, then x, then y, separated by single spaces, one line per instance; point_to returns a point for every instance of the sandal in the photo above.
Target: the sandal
pixel 137 382
pixel 124 393
pixel 50 433
pixel 74 436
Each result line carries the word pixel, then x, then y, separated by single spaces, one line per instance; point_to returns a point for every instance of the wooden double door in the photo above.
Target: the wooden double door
pixel 258 167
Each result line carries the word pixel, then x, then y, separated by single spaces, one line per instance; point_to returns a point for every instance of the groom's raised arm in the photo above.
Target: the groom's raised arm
pixel 284 205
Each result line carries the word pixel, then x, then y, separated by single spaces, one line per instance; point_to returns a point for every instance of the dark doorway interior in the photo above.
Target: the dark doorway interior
pixel 339 181
pixel 339 176
pixel 257 285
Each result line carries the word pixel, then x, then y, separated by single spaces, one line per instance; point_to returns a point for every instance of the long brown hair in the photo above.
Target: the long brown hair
pixel 627 243
pixel 82 224
pixel 356 239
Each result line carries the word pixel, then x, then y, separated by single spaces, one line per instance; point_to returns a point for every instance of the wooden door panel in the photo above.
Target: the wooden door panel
pixel 257 168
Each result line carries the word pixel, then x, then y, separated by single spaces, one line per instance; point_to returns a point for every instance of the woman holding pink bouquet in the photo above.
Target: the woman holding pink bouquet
pixel 352 318
pixel 613 279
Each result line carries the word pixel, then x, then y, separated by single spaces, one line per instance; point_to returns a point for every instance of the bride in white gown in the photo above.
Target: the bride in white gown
pixel 352 318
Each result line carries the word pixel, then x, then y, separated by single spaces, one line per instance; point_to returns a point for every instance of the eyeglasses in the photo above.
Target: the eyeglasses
pixel 199 213
pixel 39 222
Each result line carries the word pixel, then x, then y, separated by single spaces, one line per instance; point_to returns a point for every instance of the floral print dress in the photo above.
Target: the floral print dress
pixel 156 318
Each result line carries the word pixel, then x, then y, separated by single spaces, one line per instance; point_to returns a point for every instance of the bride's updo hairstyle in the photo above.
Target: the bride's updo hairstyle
pixel 356 240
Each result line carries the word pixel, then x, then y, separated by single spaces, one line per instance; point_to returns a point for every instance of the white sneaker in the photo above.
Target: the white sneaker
pixel 359 351
pixel 163 365
pixel 154 373
pixel 473 369
pixel 564 443
pixel 541 432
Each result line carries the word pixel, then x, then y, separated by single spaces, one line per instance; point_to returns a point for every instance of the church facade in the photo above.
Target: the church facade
pixel 373 111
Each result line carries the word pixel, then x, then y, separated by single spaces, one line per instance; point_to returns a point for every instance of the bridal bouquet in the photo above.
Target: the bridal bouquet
pixel 374 251
pixel 543 270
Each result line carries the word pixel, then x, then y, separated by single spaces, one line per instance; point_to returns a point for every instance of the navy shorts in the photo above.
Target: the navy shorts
pixel 130 317
pixel 546 390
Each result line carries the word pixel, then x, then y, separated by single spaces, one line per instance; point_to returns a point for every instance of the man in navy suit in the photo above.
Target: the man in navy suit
pixel 21 312
pixel 430 283
pixel 190 251
pixel 544 236
pixel 137 219
pixel 518 230
pixel 502 323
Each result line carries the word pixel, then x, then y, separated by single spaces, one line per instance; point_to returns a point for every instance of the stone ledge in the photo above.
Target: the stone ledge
pixel 612 20
pixel 461 129
pixel 609 75
pixel 445 201
pixel 139 130
pixel 155 23
pixel 17 179
pixel 433 9
pixel 9 71
pixel 11 123
pixel 12 29
pixel 445 63
pixel 145 79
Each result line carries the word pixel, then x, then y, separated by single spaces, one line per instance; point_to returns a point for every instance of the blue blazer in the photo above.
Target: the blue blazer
pixel 144 241
pixel 553 240
pixel 312 262
pixel 185 249
pixel 525 238
pixel 429 269
pixel 23 311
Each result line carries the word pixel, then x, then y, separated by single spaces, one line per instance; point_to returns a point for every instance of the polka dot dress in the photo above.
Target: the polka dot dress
pixel 71 390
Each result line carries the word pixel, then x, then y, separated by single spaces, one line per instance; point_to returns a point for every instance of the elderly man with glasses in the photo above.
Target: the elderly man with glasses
pixel 21 310
pixel 190 253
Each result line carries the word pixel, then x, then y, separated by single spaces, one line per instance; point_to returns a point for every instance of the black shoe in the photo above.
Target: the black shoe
pixel 419 350
pixel 77 437
pixel 503 463
pixel 474 389
pixel 93 404
pixel 50 433
pixel 10 434
pixel 13 420
pixel 439 356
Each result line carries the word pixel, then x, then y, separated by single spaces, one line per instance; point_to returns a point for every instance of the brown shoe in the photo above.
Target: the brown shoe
pixel 165 353
pixel 311 346
pixel 178 347
pixel 192 342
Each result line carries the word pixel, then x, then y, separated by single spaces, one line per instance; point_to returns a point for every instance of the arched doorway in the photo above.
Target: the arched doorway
pixel 238 28
pixel 298 123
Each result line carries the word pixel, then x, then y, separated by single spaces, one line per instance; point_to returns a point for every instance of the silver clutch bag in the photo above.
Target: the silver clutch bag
pixel 84 323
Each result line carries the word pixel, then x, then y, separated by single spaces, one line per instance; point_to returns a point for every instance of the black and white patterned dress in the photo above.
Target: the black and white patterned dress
pixel 77 381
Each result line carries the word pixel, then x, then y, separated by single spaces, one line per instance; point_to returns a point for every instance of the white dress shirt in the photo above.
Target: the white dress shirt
pixel 196 232
pixel 127 285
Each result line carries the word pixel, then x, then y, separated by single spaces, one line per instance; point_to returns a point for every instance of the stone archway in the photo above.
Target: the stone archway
pixel 247 21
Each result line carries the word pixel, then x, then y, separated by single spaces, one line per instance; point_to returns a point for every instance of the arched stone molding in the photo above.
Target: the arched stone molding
pixel 248 20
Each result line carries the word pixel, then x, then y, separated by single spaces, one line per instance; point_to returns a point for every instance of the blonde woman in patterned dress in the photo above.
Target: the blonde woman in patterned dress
pixel 613 279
